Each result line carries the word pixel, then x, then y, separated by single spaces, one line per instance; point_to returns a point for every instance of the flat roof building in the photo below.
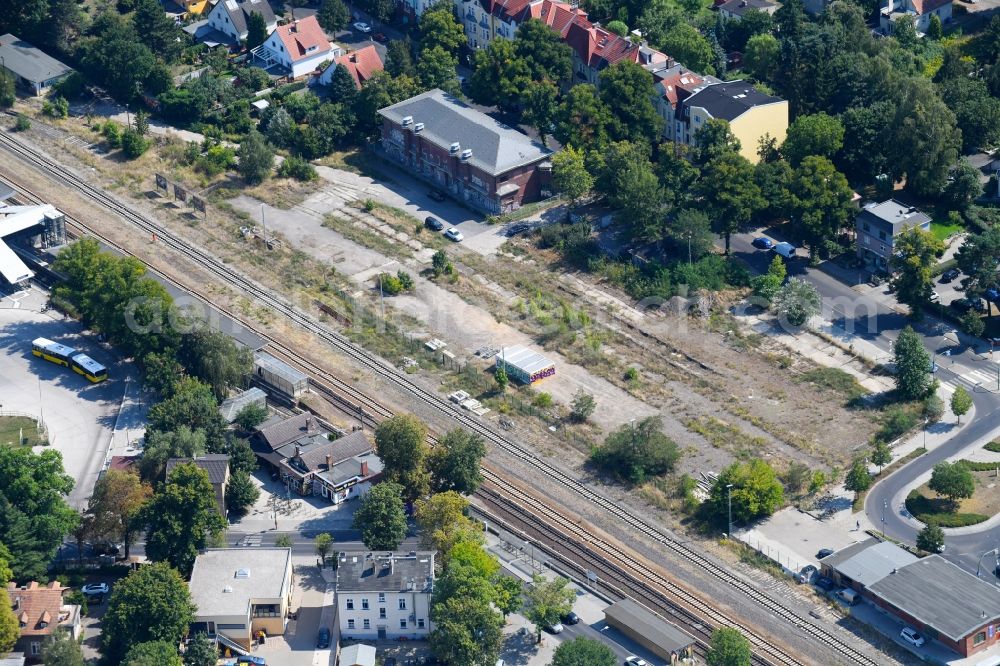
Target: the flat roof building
pixel 878 225
pixel 648 629
pixel 33 69
pixel 283 380
pixel 524 364
pixel 866 562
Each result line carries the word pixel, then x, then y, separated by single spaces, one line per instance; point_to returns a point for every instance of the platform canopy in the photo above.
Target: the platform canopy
pixel 12 220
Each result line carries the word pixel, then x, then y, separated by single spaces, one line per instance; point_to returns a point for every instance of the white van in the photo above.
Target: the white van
pixel 786 250
pixel 848 596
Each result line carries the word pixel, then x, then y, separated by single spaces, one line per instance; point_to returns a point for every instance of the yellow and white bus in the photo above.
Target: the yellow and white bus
pixel 89 368
pixel 53 351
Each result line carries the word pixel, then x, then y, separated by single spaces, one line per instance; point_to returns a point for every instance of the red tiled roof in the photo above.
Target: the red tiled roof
pixel 927 6
pixel 506 10
pixel 34 604
pixel 123 463
pixel 303 38
pixel 683 80
pixel 557 15
pixel 362 64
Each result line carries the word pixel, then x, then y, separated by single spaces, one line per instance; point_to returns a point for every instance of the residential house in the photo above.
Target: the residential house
pixel 920 10
pixel 252 397
pixel 384 595
pixel 751 115
pixel 296 48
pixel 40 611
pixel 879 224
pixel 313 461
pixel 469 155
pixel 33 70
pixel 595 49
pixel 231 18
pixel 674 84
pixel 937 598
pixel 241 591
pixel 360 64
pixel 194 7
pixel 485 20
pixel 216 465
pixel 735 10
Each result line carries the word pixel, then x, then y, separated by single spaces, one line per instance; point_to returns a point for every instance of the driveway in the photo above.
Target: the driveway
pixel 297 647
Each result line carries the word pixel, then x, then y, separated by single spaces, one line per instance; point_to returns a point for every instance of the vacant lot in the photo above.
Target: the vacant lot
pixel 20 431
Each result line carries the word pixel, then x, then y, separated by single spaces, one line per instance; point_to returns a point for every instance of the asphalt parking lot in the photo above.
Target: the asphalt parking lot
pixel 82 418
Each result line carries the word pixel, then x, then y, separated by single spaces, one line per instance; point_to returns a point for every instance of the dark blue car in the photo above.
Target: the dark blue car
pixel 762 243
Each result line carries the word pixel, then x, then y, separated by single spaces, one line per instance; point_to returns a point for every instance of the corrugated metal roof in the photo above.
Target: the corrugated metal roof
pixel 528 360
pixel 871 561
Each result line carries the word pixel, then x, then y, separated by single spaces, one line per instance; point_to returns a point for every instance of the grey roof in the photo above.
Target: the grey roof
pixel 270 364
pixel 741 7
pixel 938 593
pixel 346 470
pixel 216 464
pixel 230 407
pixel 29 62
pixel 6 191
pixel 869 561
pixel 278 431
pixel 217 587
pixel 892 214
pixel 528 360
pixel 628 613
pixel 367 571
pixel 358 654
pixel 496 148
pixel 729 100
pixel 314 451
pixel 239 12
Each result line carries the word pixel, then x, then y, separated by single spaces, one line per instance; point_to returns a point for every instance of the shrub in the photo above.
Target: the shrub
pixel 70 87
pixel 632 374
pixel 112 133
pixel 216 159
pixel 134 144
pixel 393 285
pixel 23 123
pixel 544 400
pixel 57 108
pixel 993 446
pixel 895 422
pixel 297 168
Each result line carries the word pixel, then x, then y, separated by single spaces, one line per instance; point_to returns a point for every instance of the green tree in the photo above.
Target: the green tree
pixel 499 75
pixel 924 139
pixel 181 518
pixel 241 493
pixel 257 29
pixel 821 202
pixel 201 651
pixel 631 185
pixel 34 515
pixel 158 30
pixel 634 453
pixel 583 119
pixel 380 10
pixel 964 186
pixel 728 647
pixel 690 47
pixel 583 651
pixel 570 176
pixel 10 628
pixel 342 86
pixel 442 521
pixel 256 158
pixel 323 544
pixel 507 594
pixel 913 377
pixel 881 455
pixel 60 649
pixel 627 90
pixel 977 112
pixel 436 69
pixel 547 57
pixel 438 27
pixel 930 539
pixel 133 144
pixel 961 402
pixel 7 93
pixel 454 464
pixel 467 630
pixel 399 58
pixel 162 446
pixel 915 253
pixel 761 56
pixel 500 377
pixel 691 230
pixel 817 134
pixel 796 302
pixel 972 323
pixel 193 406
pixel 539 107
pixel 153 653
pixel 756 491
pixel 150 604
pixel 858 480
pixel 582 406
pixel 617 27
pixel 401 445
pixel 547 601
pixel 333 15
pixel 934 29
pixel 381 518
pixel 952 480
pixel 118 498
pixel 251 416
pixel 729 192
pixel 979 259
pixel 216 359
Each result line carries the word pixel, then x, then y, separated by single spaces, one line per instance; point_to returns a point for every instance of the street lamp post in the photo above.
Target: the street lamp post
pixel 926 421
pixel 994 551
pixel 729 491
pixel 885 505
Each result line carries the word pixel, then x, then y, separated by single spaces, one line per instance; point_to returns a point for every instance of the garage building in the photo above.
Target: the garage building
pixel 649 630
pixel 525 365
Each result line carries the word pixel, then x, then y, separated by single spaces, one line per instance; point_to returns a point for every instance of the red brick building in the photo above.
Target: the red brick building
pixel 465 153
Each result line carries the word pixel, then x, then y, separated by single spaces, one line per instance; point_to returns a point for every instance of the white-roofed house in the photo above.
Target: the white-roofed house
pixel 231 17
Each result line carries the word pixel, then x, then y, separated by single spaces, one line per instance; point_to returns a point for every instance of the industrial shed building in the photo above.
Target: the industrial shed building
pixel 525 365
pixel 649 630
pixel 280 379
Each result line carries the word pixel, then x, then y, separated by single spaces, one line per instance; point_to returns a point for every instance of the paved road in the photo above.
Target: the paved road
pixel 870 315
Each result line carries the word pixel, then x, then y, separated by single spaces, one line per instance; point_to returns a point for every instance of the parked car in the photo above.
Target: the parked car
pixel 762 243
pixel 824 583
pixel 824 552
pixel 380 37
pixel 361 26
pixel 571 618
pixel 961 305
pixel 806 574
pixel 437 195
pixel 251 659
pixel 635 661
pixel 323 638
pixel 950 275
pixel 911 636
pixel 96 588
pixel 454 234
pixel 935 297
pixel 556 628
pixel 433 224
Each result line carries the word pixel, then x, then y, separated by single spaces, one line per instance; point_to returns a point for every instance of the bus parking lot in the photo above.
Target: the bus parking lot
pixel 86 422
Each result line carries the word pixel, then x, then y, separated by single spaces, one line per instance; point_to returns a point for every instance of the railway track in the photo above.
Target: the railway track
pixel 235 278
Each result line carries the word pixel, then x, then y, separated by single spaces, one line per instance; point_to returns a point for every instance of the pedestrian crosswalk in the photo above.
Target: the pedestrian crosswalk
pixel 984 378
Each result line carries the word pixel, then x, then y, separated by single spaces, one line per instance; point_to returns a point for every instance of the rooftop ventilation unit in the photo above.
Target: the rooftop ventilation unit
pixel 419 127
pixel 467 153
pixel 455 147
pixel 407 120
